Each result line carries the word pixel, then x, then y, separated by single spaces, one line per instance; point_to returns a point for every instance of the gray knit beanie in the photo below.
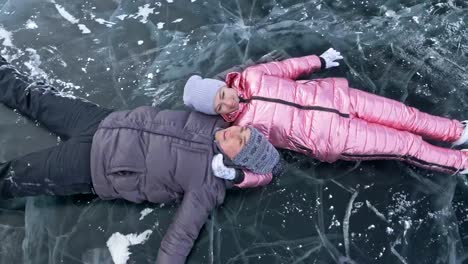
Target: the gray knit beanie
pixel 200 93
pixel 258 155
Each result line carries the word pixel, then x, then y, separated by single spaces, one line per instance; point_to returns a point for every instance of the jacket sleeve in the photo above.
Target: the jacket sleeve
pixel 254 180
pixel 185 227
pixel 291 68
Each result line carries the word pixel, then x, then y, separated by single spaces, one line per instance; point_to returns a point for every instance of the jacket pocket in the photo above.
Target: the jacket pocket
pixel 125 179
pixel 127 162
pixel 190 162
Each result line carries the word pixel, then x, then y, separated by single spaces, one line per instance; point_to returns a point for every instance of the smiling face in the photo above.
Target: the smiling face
pixel 226 101
pixel 232 140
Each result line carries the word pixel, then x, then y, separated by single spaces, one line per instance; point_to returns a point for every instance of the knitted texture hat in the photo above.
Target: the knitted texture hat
pixel 200 93
pixel 258 155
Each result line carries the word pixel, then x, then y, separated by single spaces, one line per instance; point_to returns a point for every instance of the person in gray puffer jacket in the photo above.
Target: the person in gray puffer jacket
pixel 161 156
pixel 145 154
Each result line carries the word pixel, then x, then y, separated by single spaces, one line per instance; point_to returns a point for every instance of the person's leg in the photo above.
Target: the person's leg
pixel 368 141
pixel 380 110
pixel 60 170
pixel 65 116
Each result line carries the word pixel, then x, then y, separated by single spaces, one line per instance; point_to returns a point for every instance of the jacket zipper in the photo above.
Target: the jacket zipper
pixel 302 107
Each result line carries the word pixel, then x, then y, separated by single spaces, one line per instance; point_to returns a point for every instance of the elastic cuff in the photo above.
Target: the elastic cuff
pixel 239 177
pixel 323 64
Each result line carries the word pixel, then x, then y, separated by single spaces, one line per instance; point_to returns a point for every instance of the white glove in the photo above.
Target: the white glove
pixel 220 170
pixel 330 56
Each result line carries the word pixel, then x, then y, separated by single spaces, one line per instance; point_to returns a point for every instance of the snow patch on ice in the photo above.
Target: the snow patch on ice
pixel 390 13
pixel 31 24
pixel 389 230
pixel 67 85
pixel 407 225
pixel 145 212
pixel 144 12
pixel 34 63
pixel 118 245
pixel 6 36
pixel 84 29
pixel 64 13
pixel 122 17
pixel 104 22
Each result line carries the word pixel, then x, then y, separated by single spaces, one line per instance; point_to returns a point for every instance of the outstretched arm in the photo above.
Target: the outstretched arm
pixel 295 67
pixel 290 68
pixel 184 229
pixel 241 178
pixel 251 180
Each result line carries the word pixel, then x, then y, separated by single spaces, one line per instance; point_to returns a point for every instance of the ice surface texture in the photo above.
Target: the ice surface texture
pixel 122 54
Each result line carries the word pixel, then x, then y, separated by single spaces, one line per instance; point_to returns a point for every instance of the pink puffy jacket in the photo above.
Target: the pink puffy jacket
pixel 279 106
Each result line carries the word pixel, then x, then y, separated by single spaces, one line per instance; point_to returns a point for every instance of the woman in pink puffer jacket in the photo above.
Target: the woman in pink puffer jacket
pixel 325 118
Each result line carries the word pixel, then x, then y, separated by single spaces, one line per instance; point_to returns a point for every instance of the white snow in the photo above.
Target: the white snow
pixel 118 245
pixel 122 17
pixel 145 212
pixel 104 22
pixel 64 13
pixel 391 13
pixel 67 85
pixel 389 230
pixel 31 24
pixel 407 224
pixel 144 12
pixel 34 63
pixel 84 29
pixel 140 42
pixel 160 25
pixel 70 18
pixel 177 20
pixel 6 36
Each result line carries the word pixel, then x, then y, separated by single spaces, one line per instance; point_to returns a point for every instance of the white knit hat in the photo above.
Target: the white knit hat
pixel 200 93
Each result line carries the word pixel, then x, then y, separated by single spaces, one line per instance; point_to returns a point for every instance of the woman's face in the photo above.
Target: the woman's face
pixel 232 140
pixel 226 101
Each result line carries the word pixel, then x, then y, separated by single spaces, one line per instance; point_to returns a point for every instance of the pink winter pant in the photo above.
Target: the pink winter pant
pixel 381 128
